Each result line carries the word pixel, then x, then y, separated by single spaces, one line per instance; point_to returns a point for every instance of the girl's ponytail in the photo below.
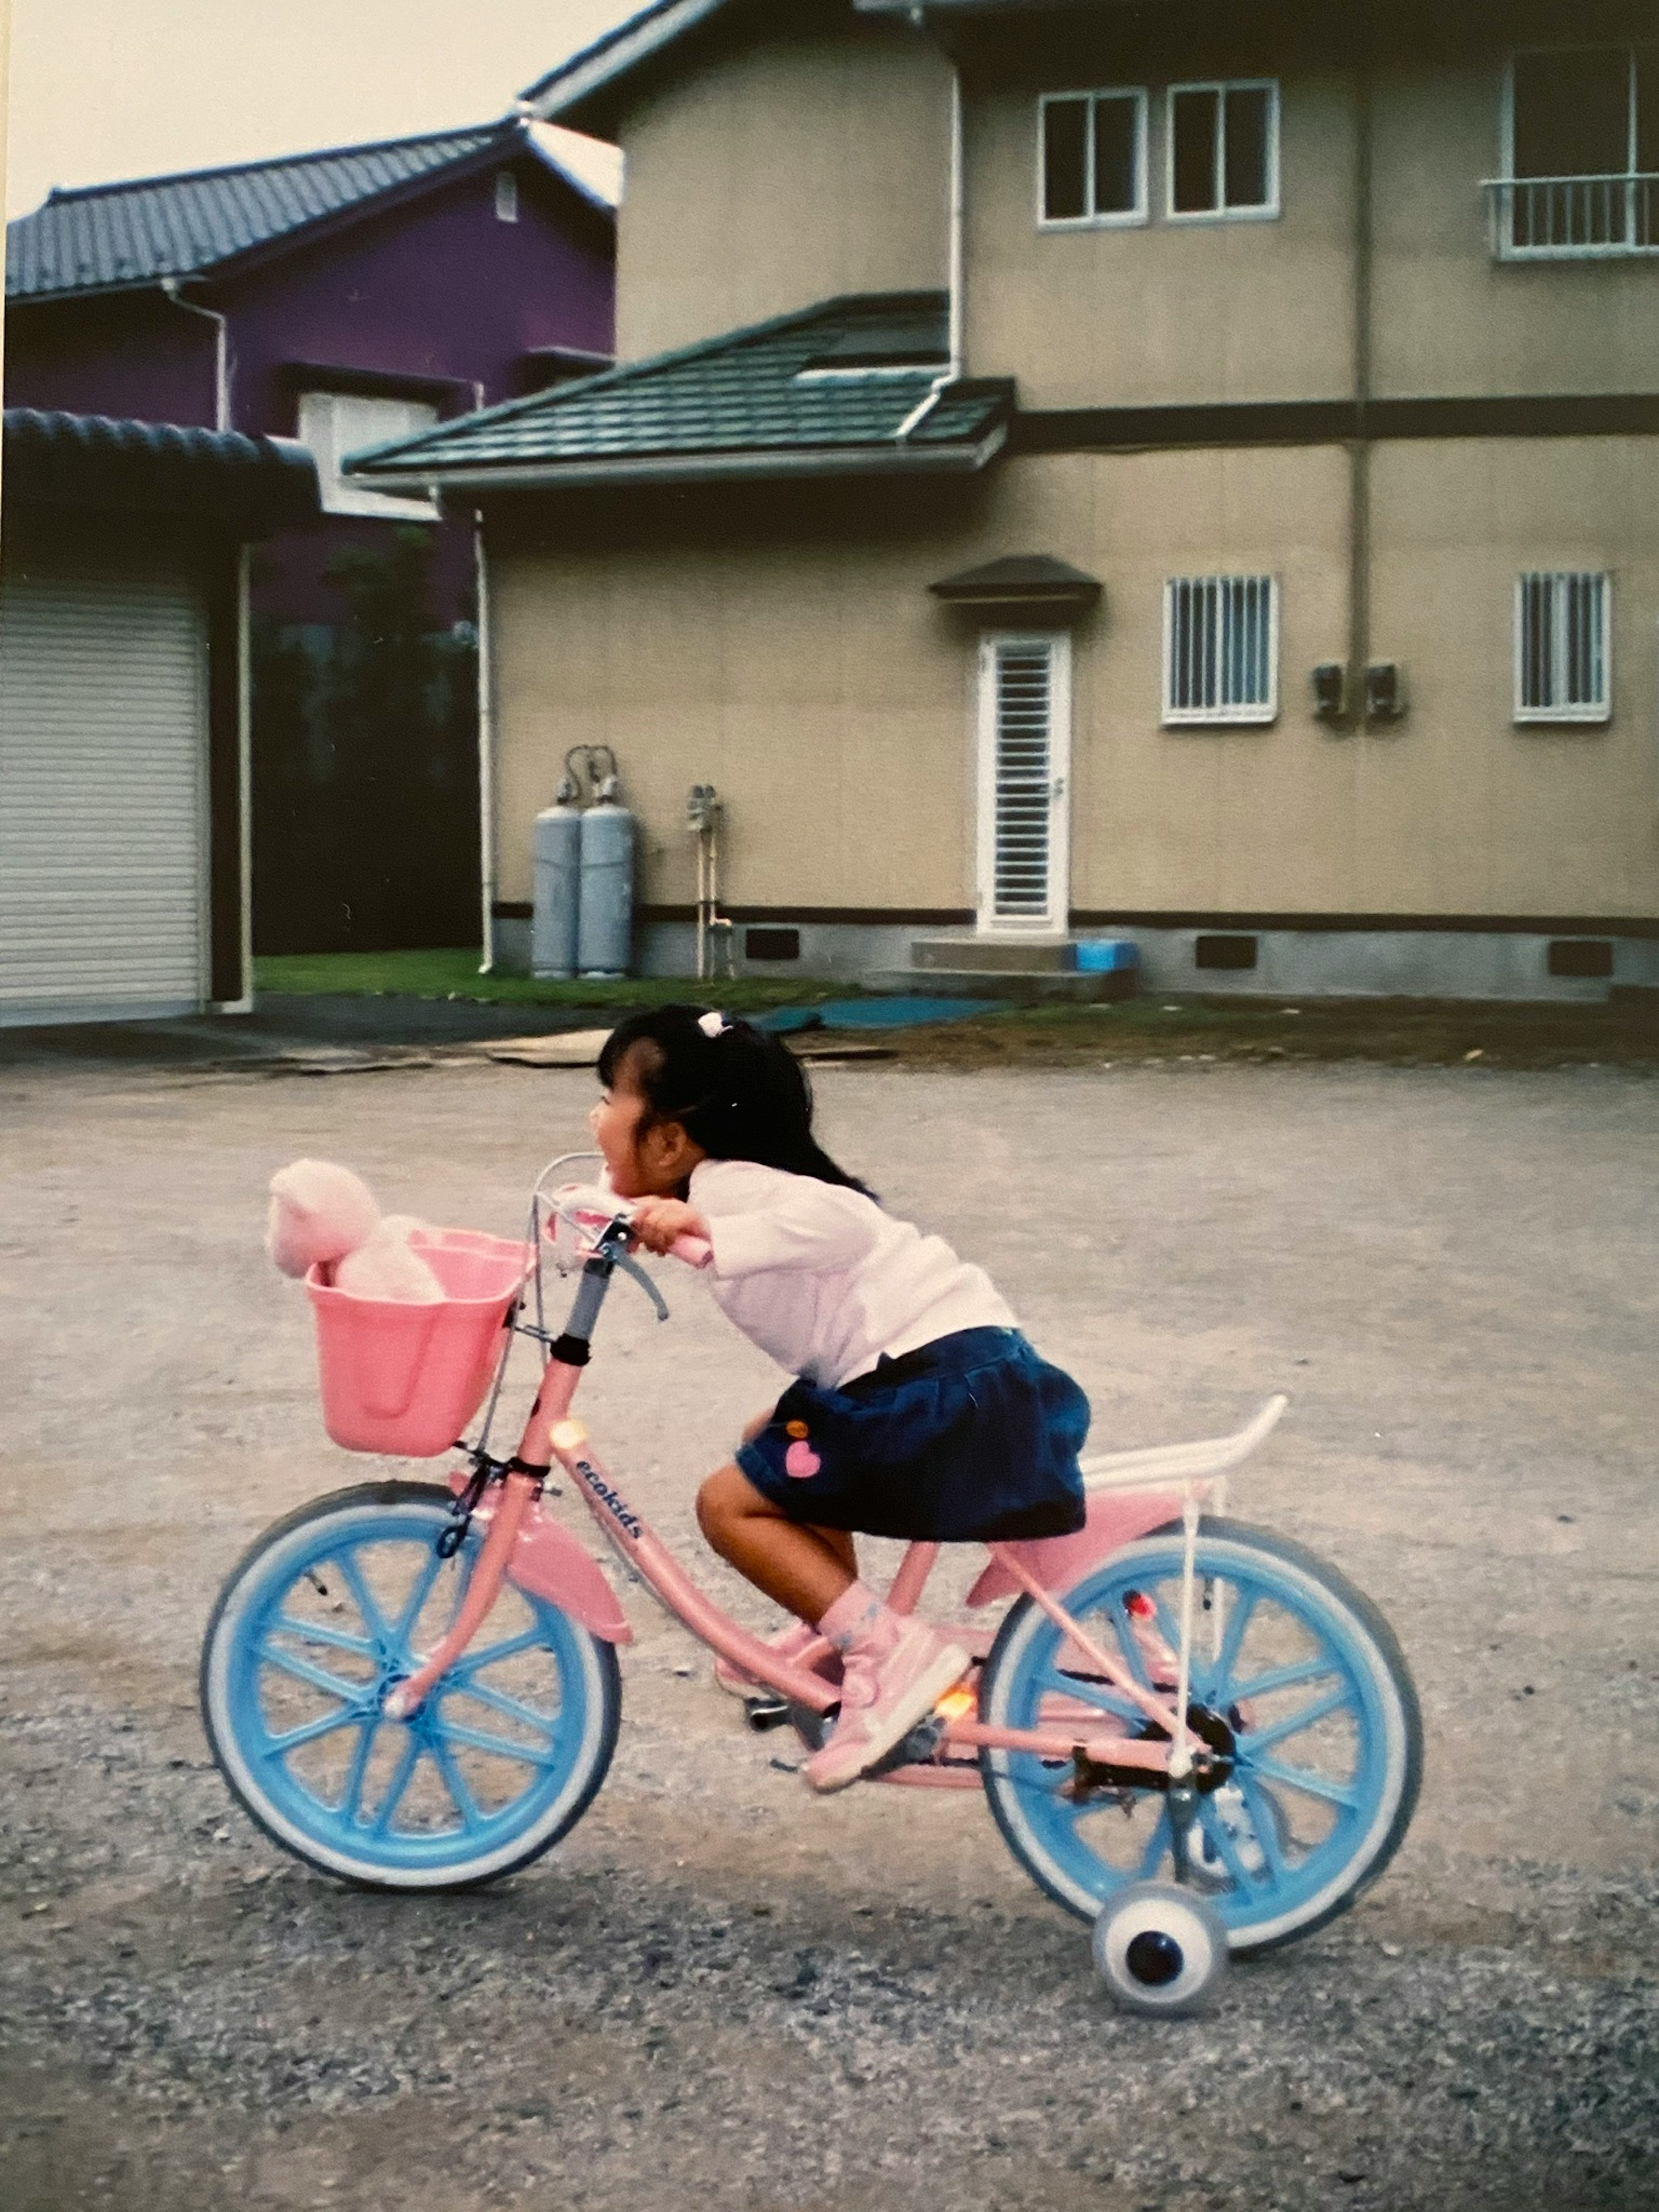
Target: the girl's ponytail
pixel 738 1092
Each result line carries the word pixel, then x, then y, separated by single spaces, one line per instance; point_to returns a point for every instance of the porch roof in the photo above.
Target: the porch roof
pixel 850 386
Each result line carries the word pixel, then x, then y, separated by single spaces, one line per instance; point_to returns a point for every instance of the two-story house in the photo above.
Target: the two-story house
pixel 340 298
pixel 1080 467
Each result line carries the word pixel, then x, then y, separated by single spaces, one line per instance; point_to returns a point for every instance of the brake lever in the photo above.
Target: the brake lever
pixel 632 1267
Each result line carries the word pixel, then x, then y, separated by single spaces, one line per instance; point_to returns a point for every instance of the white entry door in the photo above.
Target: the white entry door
pixel 1025 766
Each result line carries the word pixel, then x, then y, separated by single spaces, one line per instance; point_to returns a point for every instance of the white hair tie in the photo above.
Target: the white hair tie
pixel 713 1025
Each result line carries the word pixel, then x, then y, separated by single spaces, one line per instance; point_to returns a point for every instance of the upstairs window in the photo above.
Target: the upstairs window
pixel 1580 131
pixel 1563 657
pixel 336 423
pixel 1224 148
pixel 1092 157
pixel 1220 649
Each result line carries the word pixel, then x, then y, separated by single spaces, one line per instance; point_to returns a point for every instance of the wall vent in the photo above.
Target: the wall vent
pixel 1224 953
pixel 771 945
pixel 1581 956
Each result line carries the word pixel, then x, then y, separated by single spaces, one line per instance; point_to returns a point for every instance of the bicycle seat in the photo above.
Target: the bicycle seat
pixel 1166 1463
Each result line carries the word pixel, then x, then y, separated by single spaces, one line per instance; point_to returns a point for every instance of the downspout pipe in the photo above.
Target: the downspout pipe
pixel 952 368
pixel 1359 449
pixel 486 755
pixel 170 286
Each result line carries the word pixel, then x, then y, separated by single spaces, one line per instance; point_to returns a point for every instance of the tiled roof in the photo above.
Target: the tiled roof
pixel 255 484
pixel 137 232
pixel 599 67
pixel 830 387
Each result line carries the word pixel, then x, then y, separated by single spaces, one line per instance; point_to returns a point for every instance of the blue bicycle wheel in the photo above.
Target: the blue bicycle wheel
pixel 329 1608
pixel 1294 1673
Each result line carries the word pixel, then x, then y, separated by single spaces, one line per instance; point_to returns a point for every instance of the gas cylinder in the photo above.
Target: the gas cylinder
pixel 556 857
pixel 605 924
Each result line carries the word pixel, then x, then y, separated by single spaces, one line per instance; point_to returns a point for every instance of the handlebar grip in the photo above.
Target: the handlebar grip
pixel 695 1251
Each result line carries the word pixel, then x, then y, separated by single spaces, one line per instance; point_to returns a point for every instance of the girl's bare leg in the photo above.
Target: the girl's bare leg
pixel 805 1570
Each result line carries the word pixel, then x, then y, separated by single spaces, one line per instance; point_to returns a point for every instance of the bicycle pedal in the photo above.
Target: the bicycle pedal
pixel 763 1714
pixel 915 1749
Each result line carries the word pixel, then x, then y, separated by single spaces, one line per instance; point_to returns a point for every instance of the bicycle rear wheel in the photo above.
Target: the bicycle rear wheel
pixel 328 1609
pixel 1297 1670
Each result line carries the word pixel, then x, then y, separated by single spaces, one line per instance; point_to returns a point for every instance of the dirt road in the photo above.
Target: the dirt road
pixel 719 1993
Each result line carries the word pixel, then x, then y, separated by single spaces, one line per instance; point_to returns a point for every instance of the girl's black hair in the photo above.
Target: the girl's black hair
pixel 739 1093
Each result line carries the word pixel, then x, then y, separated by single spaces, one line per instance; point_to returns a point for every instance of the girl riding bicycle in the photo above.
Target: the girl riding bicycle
pixel 918 1410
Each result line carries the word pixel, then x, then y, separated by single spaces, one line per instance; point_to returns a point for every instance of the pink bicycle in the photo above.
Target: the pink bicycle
pixel 1192 1733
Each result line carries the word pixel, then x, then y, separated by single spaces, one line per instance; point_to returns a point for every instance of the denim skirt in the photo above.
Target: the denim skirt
pixel 969 1438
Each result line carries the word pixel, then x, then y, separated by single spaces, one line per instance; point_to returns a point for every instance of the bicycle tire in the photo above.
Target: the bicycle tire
pixel 1272 1887
pixel 563 1705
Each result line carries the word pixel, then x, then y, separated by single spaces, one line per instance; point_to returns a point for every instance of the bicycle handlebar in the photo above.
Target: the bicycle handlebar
pixel 583 1203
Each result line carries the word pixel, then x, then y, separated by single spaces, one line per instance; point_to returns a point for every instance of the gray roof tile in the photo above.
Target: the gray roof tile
pixel 137 232
pixel 773 388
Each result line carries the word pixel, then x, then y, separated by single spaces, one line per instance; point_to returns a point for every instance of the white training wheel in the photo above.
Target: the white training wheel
pixel 1162 1951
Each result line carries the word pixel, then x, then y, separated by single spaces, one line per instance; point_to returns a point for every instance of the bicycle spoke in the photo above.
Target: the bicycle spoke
pixel 1293 1723
pixel 313 1632
pixel 470 1662
pixel 419 1593
pixel 290 1663
pixel 351 1797
pixel 1283 1678
pixel 480 1740
pixel 1219 1679
pixel 1128 1643
pixel 510 1707
pixel 1297 1778
pixel 1103 1696
pixel 1263 1826
pixel 280 1746
pixel 395 1789
pixel 1215 1830
pixel 454 1781
pixel 1152 1857
pixel 352 1574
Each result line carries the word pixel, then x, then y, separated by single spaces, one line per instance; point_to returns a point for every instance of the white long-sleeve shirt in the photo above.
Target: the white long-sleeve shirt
pixel 820 1278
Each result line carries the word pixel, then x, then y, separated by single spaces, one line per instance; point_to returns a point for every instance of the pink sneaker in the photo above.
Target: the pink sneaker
pixel 893 1680
pixel 792 1642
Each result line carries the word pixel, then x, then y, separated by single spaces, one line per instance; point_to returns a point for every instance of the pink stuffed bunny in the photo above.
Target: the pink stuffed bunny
pixel 323 1216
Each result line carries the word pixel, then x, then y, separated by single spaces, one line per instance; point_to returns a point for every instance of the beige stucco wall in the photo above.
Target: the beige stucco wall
pixel 1168 313
pixel 812 679
pixel 1164 313
pixel 1448 319
pixel 784 175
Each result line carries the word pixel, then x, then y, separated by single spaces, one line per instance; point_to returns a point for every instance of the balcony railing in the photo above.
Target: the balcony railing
pixel 1573 218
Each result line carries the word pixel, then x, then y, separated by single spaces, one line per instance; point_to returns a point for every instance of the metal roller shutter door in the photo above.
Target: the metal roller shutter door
pixel 103 791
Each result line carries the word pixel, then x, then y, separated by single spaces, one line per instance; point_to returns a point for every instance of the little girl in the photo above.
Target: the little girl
pixel 918 1410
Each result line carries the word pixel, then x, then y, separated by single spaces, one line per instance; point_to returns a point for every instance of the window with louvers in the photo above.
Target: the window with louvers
pixel 1220 649
pixel 1562 660
pixel 1023 680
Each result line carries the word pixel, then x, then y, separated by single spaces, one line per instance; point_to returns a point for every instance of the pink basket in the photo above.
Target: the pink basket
pixel 403 1378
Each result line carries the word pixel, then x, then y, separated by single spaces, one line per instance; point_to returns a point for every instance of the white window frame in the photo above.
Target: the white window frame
pixel 1056 920
pixel 319 430
pixel 1270 209
pixel 1502 189
pixel 1596 711
pixel 1130 219
pixel 1243 714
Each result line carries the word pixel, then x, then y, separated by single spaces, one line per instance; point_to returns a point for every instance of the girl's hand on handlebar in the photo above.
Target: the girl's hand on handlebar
pixel 660 1222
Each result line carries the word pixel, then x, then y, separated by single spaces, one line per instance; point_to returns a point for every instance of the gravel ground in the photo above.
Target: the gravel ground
pixel 718 1992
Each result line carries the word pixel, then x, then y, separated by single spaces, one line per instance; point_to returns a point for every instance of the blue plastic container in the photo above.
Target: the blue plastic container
pixel 1107 956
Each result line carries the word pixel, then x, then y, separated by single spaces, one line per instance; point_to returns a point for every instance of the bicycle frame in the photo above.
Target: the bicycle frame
pixel 552 1435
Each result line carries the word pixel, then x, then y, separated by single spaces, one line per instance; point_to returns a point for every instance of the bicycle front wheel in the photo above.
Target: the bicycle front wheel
pixel 330 1607
pixel 1294 1673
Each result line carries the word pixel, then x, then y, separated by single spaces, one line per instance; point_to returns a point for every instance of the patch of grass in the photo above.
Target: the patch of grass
pixel 455 975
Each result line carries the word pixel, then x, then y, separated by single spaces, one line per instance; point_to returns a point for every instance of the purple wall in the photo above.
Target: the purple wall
pixel 434 286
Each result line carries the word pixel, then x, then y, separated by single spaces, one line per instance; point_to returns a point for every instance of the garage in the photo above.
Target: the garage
pixel 124 859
